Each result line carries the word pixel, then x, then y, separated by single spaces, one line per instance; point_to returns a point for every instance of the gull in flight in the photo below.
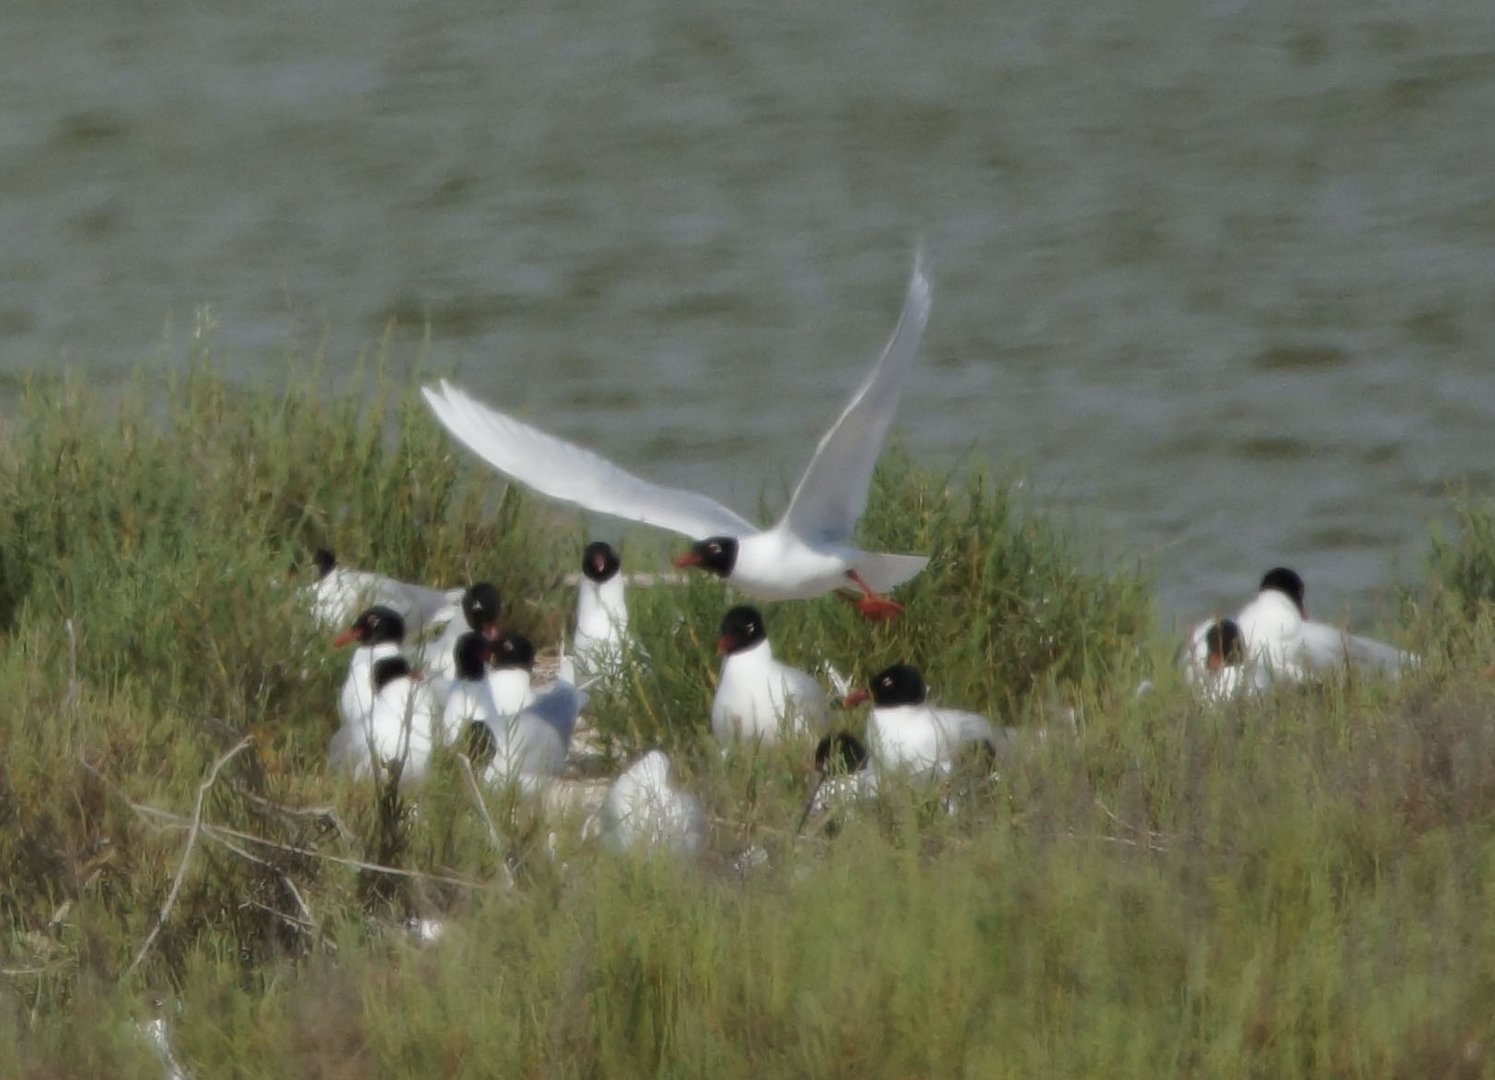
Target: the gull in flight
pixel 807 553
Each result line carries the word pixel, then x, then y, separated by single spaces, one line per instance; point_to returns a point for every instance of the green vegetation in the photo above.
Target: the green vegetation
pixel 1300 888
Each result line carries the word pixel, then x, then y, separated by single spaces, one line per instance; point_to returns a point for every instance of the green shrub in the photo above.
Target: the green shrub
pixel 1296 888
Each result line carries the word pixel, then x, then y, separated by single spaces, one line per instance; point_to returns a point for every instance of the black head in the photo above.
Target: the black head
pixel 480 606
pixel 481 745
pixel 742 628
pixel 388 670
pixel 600 562
pixel 900 684
pixel 512 651
pixel 375 626
pixel 324 560
pixel 1286 582
pixel 715 553
pixel 1227 648
pixel 471 655
pixel 840 752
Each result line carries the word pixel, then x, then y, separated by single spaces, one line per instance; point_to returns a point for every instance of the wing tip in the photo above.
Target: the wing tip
pixel 920 289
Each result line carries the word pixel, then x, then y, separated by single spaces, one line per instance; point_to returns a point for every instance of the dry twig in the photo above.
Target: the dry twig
pixel 168 819
pixel 290 920
pixel 192 834
pixel 493 836
pixel 326 816
pixel 1150 834
pixel 307 918
pixel 74 691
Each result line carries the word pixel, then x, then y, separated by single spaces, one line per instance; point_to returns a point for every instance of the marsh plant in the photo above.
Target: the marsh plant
pixel 1297 887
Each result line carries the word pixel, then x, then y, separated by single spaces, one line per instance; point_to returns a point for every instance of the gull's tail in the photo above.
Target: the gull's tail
pixel 886 572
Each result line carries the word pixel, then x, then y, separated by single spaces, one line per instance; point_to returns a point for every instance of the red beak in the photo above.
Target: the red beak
pixel 855 698
pixel 725 644
pixel 347 637
pixel 690 558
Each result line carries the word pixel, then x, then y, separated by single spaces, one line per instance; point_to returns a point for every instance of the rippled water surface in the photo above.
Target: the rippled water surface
pixel 1220 276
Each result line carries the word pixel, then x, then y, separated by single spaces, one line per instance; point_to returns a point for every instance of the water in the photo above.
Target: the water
pixel 1219 277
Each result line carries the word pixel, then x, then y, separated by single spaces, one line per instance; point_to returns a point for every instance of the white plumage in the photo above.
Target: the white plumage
pixel 356 701
pixel 339 593
pixel 757 697
pixel 601 641
pixel 644 811
pixel 1215 665
pixel 377 634
pixel 1281 639
pixel 922 740
pixel 475 609
pixel 806 554
pixel 530 731
pixel 402 730
pixel 907 735
pixel 530 746
pixel 469 698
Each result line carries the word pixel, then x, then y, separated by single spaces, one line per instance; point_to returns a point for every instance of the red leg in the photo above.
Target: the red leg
pixel 871 605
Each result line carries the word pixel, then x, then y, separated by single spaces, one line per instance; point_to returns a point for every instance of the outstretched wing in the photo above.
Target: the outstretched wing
pixel 566 472
pixel 833 492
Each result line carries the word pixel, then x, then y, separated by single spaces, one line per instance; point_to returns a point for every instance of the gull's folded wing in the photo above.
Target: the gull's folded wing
pixel 418 603
pixel 960 728
pixel 1330 647
pixel 558 707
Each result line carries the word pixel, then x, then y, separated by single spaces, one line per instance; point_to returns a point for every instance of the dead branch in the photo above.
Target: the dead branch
pixel 165 819
pixel 493 836
pixel 326 816
pixel 290 920
pixel 1104 809
pixel 192 835
pixel 343 860
pixel 307 918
